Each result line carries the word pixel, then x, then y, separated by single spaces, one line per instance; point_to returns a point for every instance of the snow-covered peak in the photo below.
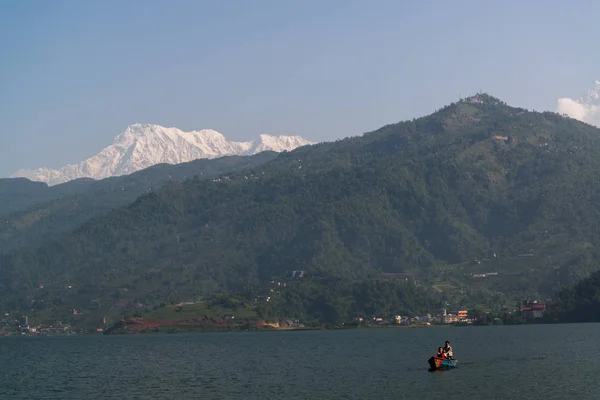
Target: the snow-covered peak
pixel 277 143
pixel 593 94
pixel 147 131
pixel 143 145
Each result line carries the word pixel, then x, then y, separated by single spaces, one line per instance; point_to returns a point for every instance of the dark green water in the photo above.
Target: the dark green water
pixel 510 362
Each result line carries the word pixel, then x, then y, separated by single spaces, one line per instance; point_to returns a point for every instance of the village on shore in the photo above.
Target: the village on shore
pixel 20 326
pixel 223 313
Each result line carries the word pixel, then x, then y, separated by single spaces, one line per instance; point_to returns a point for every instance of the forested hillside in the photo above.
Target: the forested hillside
pixel 478 187
pixel 33 211
pixel 17 194
pixel 580 303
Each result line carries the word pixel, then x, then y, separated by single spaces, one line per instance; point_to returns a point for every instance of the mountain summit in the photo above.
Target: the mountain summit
pixel 142 145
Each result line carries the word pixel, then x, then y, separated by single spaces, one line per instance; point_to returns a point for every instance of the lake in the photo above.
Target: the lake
pixel 502 362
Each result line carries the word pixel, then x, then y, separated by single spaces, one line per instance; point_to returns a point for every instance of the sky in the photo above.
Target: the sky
pixel 74 74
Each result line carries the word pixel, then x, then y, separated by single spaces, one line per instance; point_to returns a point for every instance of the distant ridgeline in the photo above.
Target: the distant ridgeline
pixel 33 211
pixel 478 204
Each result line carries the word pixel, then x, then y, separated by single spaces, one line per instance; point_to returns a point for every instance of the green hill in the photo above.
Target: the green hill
pixel 476 188
pixel 39 211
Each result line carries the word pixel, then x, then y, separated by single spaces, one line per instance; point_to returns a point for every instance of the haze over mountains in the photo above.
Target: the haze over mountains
pixel 142 145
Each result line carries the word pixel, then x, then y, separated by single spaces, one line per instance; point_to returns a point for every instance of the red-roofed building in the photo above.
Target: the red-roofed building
pixel 533 309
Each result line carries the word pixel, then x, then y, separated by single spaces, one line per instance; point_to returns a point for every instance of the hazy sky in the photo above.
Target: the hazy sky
pixel 74 74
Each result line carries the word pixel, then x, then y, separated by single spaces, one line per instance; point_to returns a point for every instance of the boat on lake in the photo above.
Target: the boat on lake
pixel 441 363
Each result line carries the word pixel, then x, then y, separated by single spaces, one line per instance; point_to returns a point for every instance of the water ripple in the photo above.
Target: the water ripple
pixel 494 362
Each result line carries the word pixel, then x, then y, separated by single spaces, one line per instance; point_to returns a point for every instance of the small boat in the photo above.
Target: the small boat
pixel 441 363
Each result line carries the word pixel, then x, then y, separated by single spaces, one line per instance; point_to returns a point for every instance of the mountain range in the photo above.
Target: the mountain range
pixel 142 145
pixel 480 203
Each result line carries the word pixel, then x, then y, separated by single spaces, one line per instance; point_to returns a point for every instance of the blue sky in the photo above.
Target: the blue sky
pixel 75 73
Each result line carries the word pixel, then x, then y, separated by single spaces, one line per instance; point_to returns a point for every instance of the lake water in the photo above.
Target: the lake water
pixel 505 362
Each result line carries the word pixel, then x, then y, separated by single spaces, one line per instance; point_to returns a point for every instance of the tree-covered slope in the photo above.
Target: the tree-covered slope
pixel 477 180
pixel 18 194
pixel 47 211
pixel 580 303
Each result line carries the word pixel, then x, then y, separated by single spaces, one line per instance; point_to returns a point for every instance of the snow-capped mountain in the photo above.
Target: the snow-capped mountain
pixel 586 109
pixel 141 146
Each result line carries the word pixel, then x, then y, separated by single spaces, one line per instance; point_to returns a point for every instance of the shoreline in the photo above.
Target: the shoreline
pixel 201 328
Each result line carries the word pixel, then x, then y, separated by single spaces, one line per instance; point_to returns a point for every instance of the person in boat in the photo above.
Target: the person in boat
pixel 448 350
pixel 441 353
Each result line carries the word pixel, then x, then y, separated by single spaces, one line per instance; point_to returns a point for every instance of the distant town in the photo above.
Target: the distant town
pixel 530 311
pixel 201 314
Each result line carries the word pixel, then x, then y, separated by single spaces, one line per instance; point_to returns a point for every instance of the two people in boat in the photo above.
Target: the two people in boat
pixel 445 352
